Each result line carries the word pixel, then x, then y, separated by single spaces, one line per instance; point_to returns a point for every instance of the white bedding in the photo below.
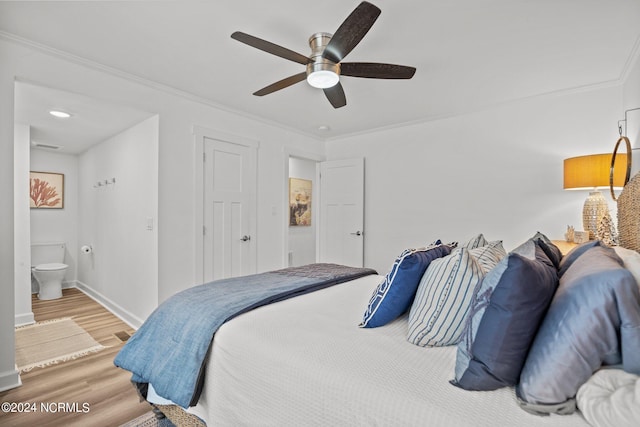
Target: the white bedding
pixel 611 398
pixel 305 362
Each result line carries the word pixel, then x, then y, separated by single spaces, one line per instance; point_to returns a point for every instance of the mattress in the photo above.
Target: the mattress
pixel 305 362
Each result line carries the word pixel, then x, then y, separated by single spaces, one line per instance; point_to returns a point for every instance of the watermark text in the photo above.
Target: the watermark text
pixel 47 407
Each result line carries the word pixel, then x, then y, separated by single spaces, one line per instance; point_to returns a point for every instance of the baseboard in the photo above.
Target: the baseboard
pixel 9 380
pixel 25 319
pixel 65 285
pixel 28 318
pixel 130 319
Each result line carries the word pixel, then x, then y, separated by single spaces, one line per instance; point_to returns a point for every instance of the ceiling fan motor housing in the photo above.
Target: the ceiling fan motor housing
pixel 318 42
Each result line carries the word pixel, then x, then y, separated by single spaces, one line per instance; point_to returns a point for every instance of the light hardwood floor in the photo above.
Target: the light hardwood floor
pixel 91 379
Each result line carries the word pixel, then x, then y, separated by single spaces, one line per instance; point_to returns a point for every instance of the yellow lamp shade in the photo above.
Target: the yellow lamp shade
pixel 589 172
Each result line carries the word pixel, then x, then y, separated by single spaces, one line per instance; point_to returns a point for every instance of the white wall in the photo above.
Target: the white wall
pixel 23 312
pixel 302 239
pixel 119 221
pixel 9 376
pixel 497 172
pixel 58 225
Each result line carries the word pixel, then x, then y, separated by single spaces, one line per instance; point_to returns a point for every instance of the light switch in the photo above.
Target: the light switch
pixel 149 223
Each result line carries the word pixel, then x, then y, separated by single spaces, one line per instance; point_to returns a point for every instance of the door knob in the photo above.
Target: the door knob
pixel 245 238
pixel 357 233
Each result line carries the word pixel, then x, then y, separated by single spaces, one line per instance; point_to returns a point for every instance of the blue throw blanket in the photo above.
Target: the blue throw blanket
pixel 170 348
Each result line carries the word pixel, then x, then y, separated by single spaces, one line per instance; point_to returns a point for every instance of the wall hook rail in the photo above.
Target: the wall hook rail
pixel 104 183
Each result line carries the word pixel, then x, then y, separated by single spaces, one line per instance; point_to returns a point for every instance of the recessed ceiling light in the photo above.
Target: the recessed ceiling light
pixel 324 128
pixel 60 114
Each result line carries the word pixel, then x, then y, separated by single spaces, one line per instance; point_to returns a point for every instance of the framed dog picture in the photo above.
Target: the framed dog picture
pixel 299 201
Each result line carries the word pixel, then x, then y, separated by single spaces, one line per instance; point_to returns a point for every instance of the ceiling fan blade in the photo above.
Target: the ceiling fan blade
pixel 271 48
pixel 352 30
pixel 335 95
pixel 297 78
pixel 374 70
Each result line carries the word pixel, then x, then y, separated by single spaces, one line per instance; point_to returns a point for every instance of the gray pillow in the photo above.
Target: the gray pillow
pixel 574 254
pixel 593 320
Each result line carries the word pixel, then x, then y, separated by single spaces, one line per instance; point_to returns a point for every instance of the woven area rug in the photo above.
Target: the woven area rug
pixel 149 420
pixel 50 342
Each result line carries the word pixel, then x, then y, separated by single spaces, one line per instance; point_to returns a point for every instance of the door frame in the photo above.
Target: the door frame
pixel 304 155
pixel 200 133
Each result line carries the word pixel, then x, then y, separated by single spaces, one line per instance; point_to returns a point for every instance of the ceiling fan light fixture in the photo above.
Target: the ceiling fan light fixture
pixel 323 79
pixel 323 74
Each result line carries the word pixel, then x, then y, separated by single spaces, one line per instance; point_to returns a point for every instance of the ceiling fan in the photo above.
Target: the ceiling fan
pixel 324 65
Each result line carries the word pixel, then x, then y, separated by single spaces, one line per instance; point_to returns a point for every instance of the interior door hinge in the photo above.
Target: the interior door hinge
pixel 204 230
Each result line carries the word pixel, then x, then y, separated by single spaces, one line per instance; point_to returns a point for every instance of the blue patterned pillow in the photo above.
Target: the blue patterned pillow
pixel 395 293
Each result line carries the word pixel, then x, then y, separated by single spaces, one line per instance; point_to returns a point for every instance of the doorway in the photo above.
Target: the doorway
pixel 337 211
pixel 70 147
pixel 302 213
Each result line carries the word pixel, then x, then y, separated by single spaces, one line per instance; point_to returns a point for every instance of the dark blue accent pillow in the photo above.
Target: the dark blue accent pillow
pixel 515 296
pixel 395 293
pixel 552 251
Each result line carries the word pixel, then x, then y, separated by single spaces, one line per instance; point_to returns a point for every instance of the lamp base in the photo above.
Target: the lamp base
pixel 595 207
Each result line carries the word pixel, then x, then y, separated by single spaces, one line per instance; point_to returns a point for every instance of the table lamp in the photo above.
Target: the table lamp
pixel 592 173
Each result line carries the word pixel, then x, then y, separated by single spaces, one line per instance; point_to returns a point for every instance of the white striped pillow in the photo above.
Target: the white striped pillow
pixel 490 255
pixel 441 306
pixel 476 242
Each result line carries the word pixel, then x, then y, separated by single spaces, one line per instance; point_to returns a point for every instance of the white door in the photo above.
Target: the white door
pixel 229 217
pixel 342 212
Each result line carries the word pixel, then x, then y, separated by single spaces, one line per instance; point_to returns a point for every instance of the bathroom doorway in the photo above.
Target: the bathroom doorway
pixel 46 143
pixel 301 195
pixel 302 212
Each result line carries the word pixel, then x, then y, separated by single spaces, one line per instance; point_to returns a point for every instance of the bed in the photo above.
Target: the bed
pixel 311 360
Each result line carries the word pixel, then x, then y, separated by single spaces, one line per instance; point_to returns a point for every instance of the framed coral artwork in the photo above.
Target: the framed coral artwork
pixel 46 190
pixel 299 201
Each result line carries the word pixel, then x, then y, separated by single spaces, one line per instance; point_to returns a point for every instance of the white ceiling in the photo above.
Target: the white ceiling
pixel 91 121
pixel 469 54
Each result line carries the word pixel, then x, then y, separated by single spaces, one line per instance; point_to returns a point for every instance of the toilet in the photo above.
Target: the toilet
pixel 48 268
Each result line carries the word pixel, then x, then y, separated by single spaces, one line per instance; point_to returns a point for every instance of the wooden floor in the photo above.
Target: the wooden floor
pixel 91 379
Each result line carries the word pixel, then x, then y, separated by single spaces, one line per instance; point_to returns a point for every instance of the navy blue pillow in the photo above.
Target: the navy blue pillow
pixel 513 310
pixel 552 251
pixel 395 293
